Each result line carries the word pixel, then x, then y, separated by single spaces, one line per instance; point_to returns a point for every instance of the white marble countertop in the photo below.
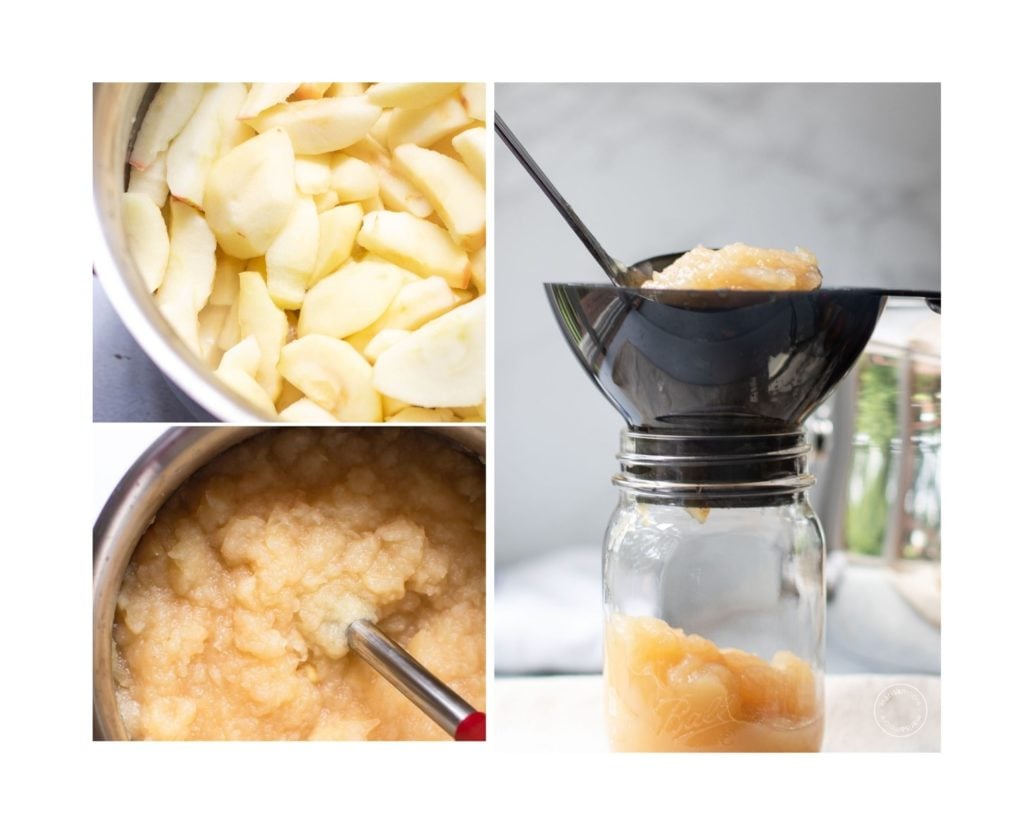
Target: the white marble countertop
pixel 564 714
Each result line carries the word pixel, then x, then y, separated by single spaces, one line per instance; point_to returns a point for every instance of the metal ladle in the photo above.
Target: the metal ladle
pixel 459 719
pixel 618 272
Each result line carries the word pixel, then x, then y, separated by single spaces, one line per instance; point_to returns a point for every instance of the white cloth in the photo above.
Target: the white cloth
pixel 548 614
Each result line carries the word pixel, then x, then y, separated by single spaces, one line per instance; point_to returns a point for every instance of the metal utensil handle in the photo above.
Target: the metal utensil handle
pixel 608 263
pixel 444 706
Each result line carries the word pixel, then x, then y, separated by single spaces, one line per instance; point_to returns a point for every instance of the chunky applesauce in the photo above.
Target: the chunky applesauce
pixel 739 266
pixel 668 691
pixel 232 617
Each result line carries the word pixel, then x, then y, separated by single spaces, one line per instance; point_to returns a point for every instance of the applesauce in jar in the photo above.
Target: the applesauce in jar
pixel 232 616
pixel 672 692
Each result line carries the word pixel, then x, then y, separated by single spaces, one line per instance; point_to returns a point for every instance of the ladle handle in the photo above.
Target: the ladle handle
pixel 614 269
pixel 450 711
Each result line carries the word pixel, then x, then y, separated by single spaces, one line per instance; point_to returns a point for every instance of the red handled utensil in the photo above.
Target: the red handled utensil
pixel 444 706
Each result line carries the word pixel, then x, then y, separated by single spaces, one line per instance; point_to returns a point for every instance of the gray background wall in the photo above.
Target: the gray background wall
pixel 851 172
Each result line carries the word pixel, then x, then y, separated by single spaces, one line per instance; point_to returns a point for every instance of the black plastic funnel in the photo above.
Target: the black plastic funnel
pixel 717 362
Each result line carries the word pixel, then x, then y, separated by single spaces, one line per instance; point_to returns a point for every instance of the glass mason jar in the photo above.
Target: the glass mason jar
pixel 714 596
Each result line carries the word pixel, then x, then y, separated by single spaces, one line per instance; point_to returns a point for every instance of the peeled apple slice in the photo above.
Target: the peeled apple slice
pixel 415 304
pixel 237 371
pixel 426 126
pixel 332 374
pixel 306 411
pixel 313 174
pixel 151 181
pixel 311 91
pixel 473 96
pixel 415 244
pixel 194 151
pixel 416 414
pixel 147 237
pixel 452 190
pixel 471 145
pixel 290 260
pixel 190 273
pixel 440 364
pixel 318 126
pixel 168 113
pixel 349 300
pixel 250 194
pixel 337 229
pixel 383 341
pixel 409 95
pixel 261 319
pixel 263 96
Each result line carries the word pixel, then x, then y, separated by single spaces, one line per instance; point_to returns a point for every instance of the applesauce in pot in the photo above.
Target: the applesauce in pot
pixel 232 616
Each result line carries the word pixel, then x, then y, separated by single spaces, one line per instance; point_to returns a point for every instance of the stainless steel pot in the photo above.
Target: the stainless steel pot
pixel 162 469
pixel 118 108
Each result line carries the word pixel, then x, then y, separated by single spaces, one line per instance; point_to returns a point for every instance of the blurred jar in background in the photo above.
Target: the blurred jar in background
pixel 878 496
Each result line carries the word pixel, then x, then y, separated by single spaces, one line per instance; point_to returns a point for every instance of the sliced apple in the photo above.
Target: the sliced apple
pixel 291 258
pixel 349 300
pixel 147 237
pixel 314 174
pixel 289 394
pixel 151 181
pixel 381 128
pixel 446 147
pixel 227 279
pixel 168 113
pixel 310 91
pixel 471 145
pixel 418 414
pixel 409 95
pixel 326 201
pixel 415 304
pixel 190 272
pixel 382 341
pixel 477 264
pixel 426 126
pixel 345 90
pixel 473 97
pixel 261 318
pixel 391 406
pixel 263 96
pixel 415 244
pixel 440 364
pixel 250 194
pixel 195 149
pixel 234 132
pixel 337 229
pixel 209 326
pixel 257 265
pixel 370 150
pixel 230 334
pixel 471 413
pixel 373 204
pixel 306 410
pixel 454 192
pixel 353 179
pixel 400 195
pixel 317 126
pixel 332 374
pixel 237 370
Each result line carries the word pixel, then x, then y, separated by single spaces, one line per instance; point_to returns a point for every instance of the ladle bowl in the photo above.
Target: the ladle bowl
pixel 719 361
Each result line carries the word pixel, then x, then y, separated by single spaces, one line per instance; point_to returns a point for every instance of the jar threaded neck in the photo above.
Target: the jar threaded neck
pixel 718 470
